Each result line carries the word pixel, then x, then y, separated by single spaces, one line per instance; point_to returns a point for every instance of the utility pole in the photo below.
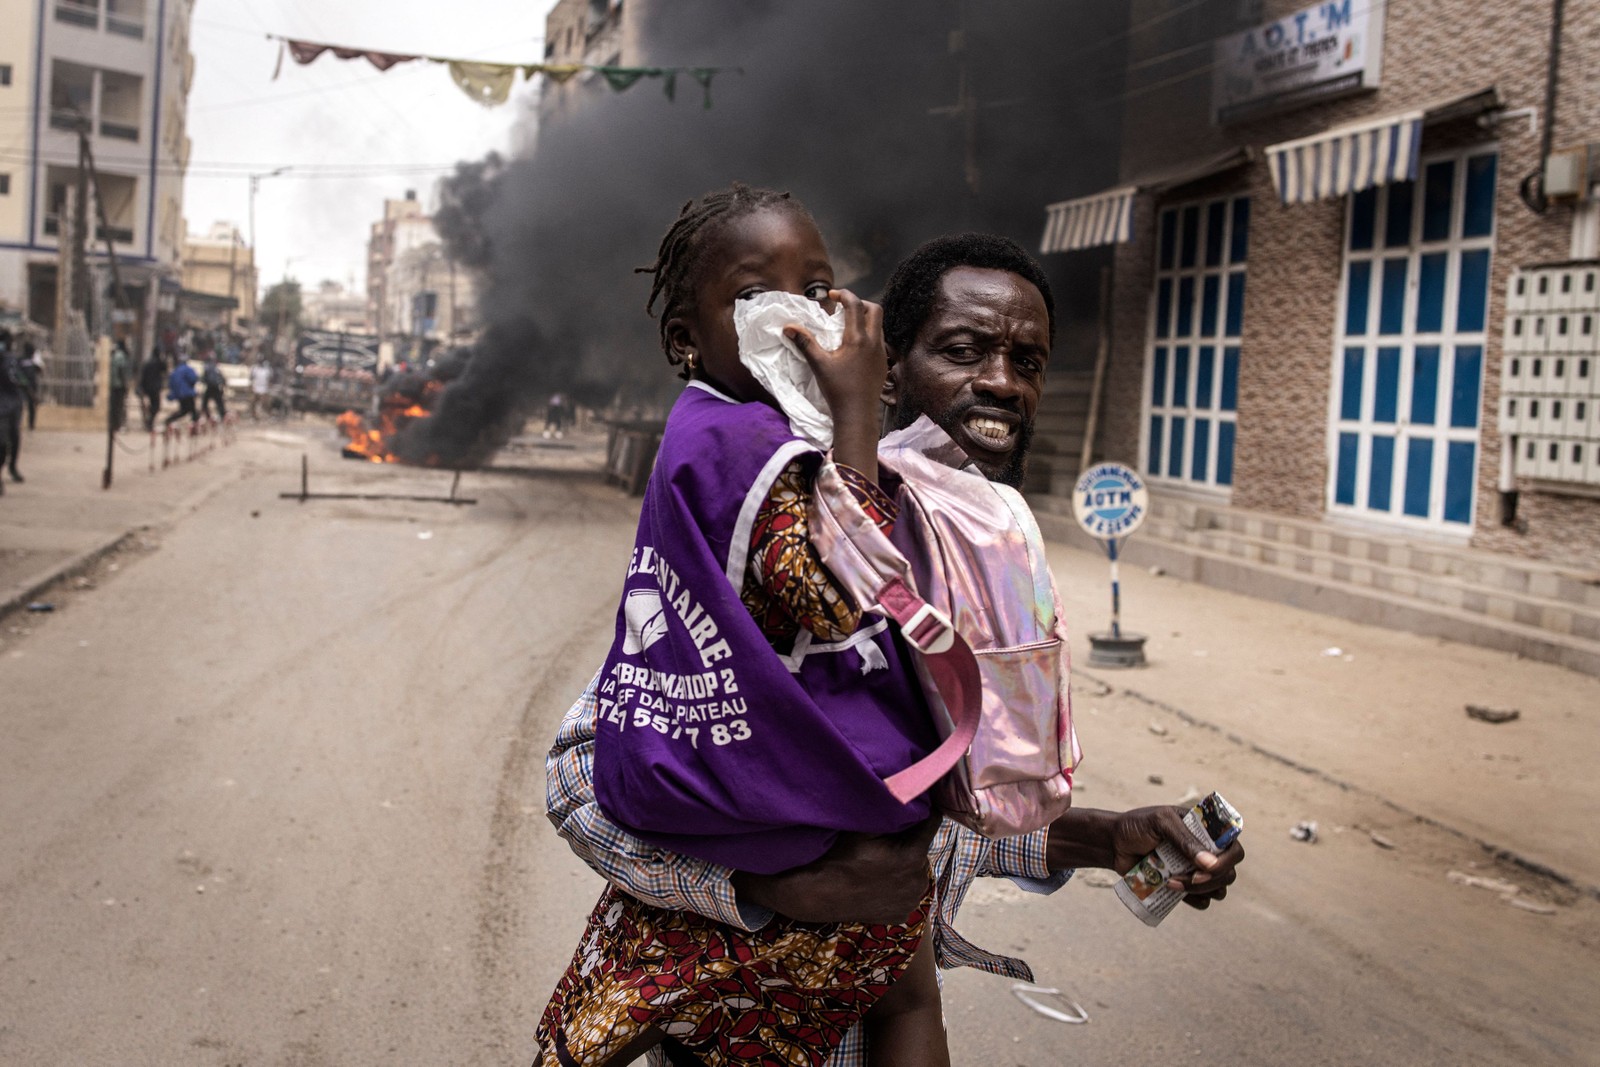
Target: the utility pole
pixel 233 274
pixel 88 173
pixel 255 183
pixel 80 228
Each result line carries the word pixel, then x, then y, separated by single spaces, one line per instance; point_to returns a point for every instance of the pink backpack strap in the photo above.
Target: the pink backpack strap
pixel 954 670
pixel 877 576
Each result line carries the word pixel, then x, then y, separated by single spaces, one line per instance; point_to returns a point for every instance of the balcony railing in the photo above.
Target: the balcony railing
pixel 78 13
pixel 121 131
pixel 124 25
pixel 67 118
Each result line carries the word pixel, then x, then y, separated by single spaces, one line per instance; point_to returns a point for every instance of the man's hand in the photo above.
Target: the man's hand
pixel 863 878
pixel 1087 837
pixel 1136 833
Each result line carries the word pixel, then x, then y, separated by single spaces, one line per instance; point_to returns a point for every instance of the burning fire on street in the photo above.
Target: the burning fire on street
pixel 396 410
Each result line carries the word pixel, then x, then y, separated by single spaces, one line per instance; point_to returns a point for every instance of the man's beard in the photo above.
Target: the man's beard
pixel 1015 467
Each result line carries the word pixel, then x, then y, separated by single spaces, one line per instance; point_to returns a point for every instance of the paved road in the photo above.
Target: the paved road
pixel 271 794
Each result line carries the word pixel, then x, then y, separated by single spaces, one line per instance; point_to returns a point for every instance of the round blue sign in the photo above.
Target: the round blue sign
pixel 1110 501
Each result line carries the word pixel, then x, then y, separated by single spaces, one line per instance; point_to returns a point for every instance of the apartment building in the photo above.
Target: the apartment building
pixel 605 33
pixel 414 290
pixel 119 70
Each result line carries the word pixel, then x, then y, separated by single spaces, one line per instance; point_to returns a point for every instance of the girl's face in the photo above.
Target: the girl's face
pixel 770 250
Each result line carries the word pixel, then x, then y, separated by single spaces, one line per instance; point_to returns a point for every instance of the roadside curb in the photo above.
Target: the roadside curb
pixel 31 590
pixel 1498 851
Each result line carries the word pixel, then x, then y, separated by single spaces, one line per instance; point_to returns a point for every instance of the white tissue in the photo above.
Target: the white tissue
pixel 777 364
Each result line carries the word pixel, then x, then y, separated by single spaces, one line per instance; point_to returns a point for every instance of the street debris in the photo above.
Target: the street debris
pixel 1379 840
pixel 1492 715
pixel 1305 830
pixel 1156 572
pixel 39 607
pixel 1190 796
pixel 82 582
pixel 1156 779
pixel 255 514
pixel 1534 906
pixel 1093 686
pixel 1333 651
pixel 425 535
pixel 1476 881
pixel 1157 729
pixel 1037 998
pixel 1098 879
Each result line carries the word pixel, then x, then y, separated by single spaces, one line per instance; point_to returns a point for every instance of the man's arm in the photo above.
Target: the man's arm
pixel 1089 837
pixel 653 875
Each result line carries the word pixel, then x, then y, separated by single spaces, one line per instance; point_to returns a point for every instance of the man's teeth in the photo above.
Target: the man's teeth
pixel 992 429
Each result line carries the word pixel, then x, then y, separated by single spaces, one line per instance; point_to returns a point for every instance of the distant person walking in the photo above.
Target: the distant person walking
pixel 260 385
pixel 11 405
pixel 152 376
pixel 32 365
pixel 180 387
pixel 121 379
pixel 555 415
pixel 216 389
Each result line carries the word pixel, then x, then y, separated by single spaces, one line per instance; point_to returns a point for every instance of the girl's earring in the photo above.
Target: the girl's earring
pixel 693 360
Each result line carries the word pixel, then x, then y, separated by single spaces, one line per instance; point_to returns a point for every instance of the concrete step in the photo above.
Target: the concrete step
pixel 1448 590
pixel 1489 570
pixel 1361 590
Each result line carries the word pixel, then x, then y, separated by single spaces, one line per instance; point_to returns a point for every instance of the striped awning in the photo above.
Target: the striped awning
pixel 1351 158
pixel 1347 160
pixel 1102 219
pixel 1106 218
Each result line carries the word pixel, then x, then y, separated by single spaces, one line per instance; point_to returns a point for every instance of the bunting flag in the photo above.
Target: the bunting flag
pixel 490 83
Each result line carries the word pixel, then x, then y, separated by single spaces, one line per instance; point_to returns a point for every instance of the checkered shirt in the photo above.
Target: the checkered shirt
pixel 669 880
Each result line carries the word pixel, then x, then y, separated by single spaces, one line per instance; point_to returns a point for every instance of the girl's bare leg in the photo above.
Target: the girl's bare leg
pixel 906 1027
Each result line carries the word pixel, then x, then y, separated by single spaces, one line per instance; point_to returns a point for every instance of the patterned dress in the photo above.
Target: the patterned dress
pixel 789 992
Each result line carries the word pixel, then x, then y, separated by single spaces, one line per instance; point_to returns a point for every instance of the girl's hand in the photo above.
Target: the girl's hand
pixel 851 379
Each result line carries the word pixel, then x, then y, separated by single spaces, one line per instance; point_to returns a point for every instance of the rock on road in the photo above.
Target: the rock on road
pixel 272 794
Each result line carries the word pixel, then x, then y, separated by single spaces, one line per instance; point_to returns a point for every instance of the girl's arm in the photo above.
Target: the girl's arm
pixel 788 588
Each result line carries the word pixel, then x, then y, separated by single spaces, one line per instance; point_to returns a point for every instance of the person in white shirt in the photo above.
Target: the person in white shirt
pixel 260 383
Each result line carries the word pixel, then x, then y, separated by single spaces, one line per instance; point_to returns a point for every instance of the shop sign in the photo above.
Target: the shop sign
pixel 1110 501
pixel 1326 50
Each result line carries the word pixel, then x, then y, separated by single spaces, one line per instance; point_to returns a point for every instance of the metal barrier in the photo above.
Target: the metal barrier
pixel 183 441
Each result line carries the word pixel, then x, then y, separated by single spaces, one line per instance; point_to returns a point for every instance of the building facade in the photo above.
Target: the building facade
pixel 334 308
pixel 220 264
pixel 606 33
pixel 417 297
pixel 403 225
pixel 120 70
pixel 1319 219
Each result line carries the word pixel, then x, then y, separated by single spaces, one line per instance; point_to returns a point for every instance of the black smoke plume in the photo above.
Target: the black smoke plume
pixel 850 105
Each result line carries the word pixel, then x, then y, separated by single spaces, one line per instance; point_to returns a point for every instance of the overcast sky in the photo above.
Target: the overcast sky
pixel 389 131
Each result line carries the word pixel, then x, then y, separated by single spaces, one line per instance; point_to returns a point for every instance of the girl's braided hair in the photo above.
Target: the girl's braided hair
pixel 678 258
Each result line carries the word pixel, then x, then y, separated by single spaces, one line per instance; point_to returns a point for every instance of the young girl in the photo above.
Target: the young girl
pixel 733 641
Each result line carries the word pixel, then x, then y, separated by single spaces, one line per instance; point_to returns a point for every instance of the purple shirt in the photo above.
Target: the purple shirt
pixel 710 742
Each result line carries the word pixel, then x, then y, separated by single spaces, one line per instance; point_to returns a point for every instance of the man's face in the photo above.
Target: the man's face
pixel 976 367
